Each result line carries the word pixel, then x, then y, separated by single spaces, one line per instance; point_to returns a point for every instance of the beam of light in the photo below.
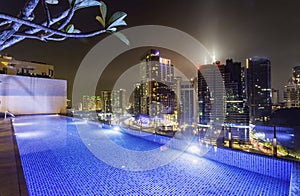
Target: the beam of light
pixel 35 134
pixel 117 128
pixel 112 132
pixel 193 149
pixel 23 124
pixel 214 58
pixel 78 122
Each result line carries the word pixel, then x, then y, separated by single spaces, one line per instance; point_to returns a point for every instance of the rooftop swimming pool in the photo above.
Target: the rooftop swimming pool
pixel 66 156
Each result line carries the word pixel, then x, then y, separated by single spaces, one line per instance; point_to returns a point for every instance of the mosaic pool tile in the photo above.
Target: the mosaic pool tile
pixel 57 162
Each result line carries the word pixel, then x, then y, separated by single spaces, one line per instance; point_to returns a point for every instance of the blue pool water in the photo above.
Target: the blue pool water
pixel 57 161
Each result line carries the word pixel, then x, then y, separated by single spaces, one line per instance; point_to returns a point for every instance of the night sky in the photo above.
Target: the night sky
pixel 235 29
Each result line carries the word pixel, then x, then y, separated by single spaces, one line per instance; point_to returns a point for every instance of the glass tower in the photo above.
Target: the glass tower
pixel 258 88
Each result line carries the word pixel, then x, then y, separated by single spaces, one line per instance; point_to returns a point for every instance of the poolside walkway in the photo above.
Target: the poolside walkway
pixel 12 182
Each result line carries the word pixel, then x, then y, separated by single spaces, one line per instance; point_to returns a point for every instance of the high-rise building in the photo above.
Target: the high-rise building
pixel 296 75
pixel 106 99
pixel 228 78
pixel 188 102
pixel 156 68
pixel 119 101
pixel 258 88
pixel 91 103
pixel 292 90
pixel 157 79
pixel 236 105
pixel 275 97
pixel 210 87
pixel 136 99
pixel 235 110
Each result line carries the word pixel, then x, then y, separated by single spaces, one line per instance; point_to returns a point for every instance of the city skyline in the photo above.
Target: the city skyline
pixel 262 29
pixel 152 97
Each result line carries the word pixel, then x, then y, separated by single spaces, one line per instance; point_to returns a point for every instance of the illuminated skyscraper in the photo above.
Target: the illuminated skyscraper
pixel 235 110
pixel 258 88
pixel 223 109
pixel 157 79
pixel 236 105
pixel 91 103
pixel 296 75
pixel 156 68
pixel 119 101
pixel 292 90
pixel 106 106
pixel 211 107
pixel 136 99
pixel 188 102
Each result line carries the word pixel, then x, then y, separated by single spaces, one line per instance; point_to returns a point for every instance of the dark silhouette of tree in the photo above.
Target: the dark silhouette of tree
pixel 14 29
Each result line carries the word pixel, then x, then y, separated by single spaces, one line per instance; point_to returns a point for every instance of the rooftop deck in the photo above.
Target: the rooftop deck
pixel 12 181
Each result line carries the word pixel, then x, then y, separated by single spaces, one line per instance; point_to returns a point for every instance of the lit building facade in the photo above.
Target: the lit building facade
pixel 275 97
pixel 10 66
pixel 292 90
pixel 106 101
pixel 157 79
pixel 237 111
pixel 91 103
pixel 32 95
pixel 203 99
pixel 188 102
pixel 119 101
pixel 258 88
pixel 136 99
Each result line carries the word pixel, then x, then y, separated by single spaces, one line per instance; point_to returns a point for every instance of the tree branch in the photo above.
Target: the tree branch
pixel 56 39
pixel 67 21
pixel 66 14
pixel 53 31
pixel 4 23
pixel 28 36
pixel 50 29
pixel 47 12
pixel 14 27
pixel 15 40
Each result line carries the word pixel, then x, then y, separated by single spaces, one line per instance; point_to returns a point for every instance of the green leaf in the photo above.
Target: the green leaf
pixel 86 3
pixel 117 19
pixel 117 16
pixel 103 10
pixel 100 20
pixel 70 28
pixel 122 37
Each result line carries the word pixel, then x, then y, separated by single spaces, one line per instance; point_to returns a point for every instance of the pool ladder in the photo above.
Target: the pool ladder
pixel 8 113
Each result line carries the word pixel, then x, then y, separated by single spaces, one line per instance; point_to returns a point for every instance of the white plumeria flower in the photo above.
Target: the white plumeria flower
pixel 52 1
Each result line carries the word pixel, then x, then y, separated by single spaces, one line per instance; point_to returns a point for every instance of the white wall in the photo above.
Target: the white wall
pixel 30 95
